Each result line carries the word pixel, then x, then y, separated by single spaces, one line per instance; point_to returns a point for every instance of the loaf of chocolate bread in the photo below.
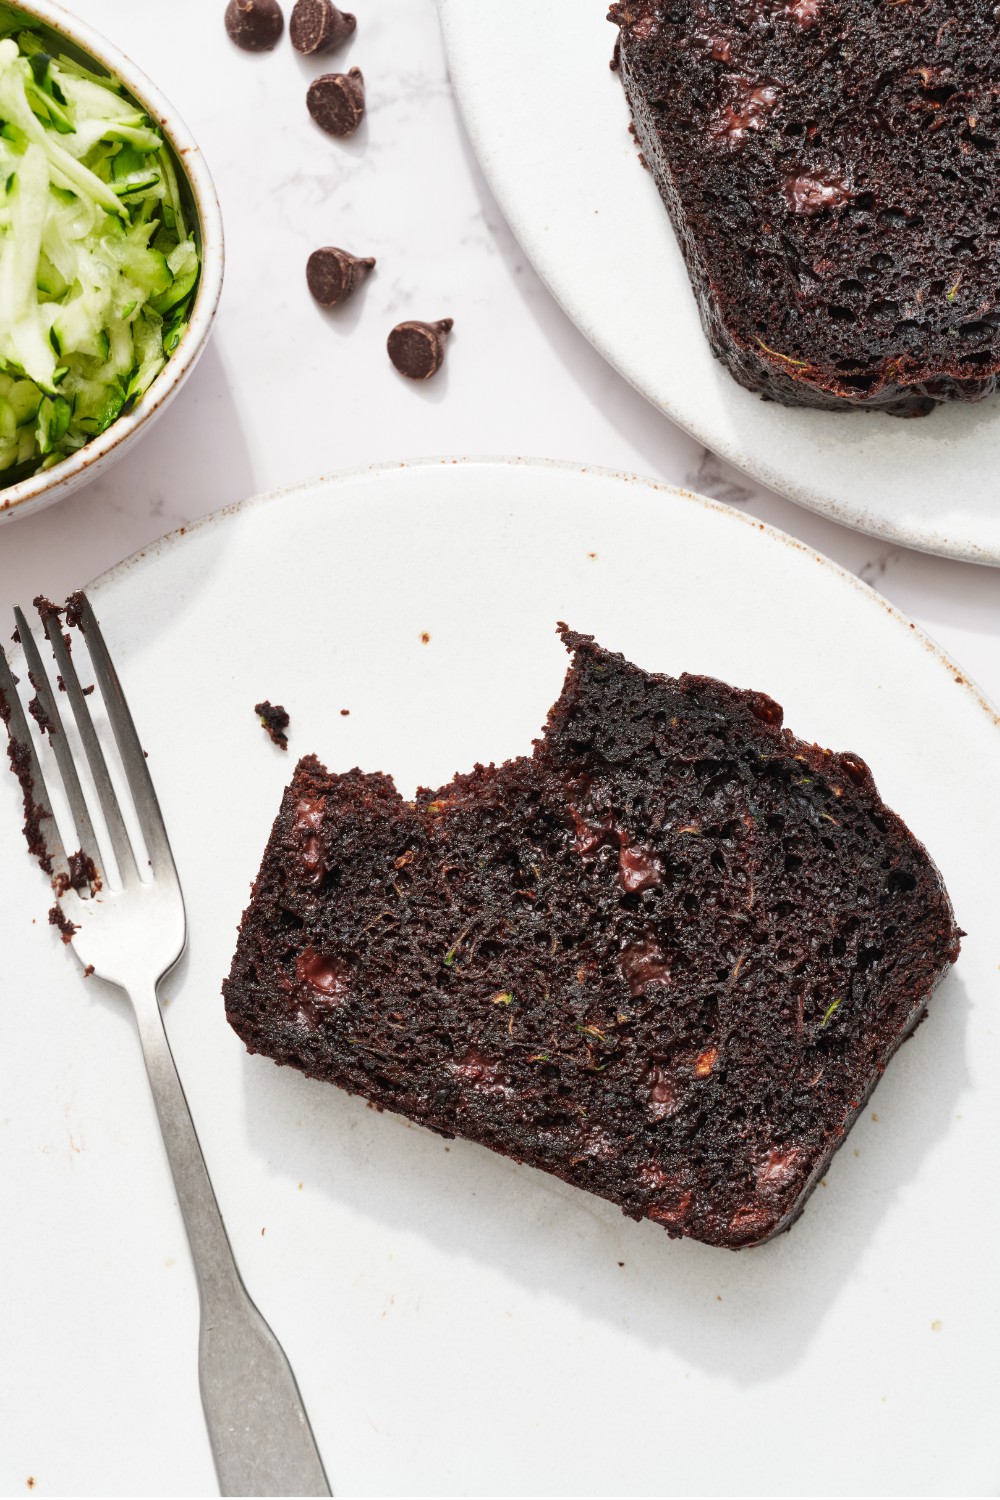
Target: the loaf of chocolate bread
pixel 666 957
pixel 830 168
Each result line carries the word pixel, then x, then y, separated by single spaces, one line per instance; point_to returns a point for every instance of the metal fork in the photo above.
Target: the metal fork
pixel 260 1435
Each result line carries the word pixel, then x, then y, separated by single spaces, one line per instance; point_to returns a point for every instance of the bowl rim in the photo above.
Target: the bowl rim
pixel 41 489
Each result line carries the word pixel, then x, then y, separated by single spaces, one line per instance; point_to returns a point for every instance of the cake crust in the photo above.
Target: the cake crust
pixel 666 957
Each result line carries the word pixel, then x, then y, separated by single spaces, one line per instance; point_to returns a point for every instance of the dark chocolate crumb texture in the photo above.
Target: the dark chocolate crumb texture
pixel 666 957
pixel 275 718
pixel 830 168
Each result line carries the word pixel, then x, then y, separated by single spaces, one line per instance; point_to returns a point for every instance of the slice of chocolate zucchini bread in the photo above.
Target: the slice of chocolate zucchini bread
pixel 830 168
pixel 665 957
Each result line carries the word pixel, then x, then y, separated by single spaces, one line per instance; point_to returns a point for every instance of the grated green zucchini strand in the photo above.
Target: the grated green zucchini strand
pixel 98 269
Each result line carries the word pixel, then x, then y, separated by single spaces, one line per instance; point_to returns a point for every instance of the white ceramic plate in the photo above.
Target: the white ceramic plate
pixel 549 124
pixel 460 1324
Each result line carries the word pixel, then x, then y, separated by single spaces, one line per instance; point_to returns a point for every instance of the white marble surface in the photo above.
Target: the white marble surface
pixel 286 391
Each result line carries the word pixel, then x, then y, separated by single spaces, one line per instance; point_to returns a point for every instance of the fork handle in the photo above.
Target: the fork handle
pixel 257 1425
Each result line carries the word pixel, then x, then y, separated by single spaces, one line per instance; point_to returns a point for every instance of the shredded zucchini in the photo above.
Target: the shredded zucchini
pixel 98 265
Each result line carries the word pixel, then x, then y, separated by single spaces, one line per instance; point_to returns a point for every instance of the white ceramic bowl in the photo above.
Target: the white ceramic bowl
pixel 42 489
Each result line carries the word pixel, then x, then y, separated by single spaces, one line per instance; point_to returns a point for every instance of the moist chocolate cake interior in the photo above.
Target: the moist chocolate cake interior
pixel 667 956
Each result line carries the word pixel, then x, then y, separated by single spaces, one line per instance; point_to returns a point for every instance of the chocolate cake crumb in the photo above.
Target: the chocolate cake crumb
pixel 254 25
pixel 86 692
pixel 333 275
pixel 19 757
pixel 275 720
pixel 336 101
pixel 83 874
pixel 417 349
pixel 80 876
pixel 47 611
pixel 318 26
pixel 37 711
pixel 829 167
pixel 666 957
pixel 58 918
pixel 74 611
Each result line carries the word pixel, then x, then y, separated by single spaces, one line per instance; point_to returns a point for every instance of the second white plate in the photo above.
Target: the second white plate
pixel 549 124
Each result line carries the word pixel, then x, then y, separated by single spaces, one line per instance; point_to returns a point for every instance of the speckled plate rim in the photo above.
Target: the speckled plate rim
pixel 857 469
pixel 43 489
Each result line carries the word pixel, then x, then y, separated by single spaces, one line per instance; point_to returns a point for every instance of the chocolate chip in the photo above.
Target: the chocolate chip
pixel 317 26
pixel 328 976
pixel 638 868
pixel 417 349
pixel 254 25
pixel 334 275
pixel 336 101
pixel 644 963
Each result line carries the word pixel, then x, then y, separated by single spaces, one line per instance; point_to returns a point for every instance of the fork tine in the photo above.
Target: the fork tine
pixel 38 678
pixel 131 751
pixel 46 846
pixel 120 841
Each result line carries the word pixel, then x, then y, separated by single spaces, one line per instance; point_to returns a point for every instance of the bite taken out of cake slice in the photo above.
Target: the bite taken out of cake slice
pixel 666 957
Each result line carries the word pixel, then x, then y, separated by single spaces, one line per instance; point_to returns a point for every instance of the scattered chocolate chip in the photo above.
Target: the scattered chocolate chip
pixel 336 101
pixel 275 720
pixel 254 25
pixel 417 349
pixel 317 26
pixel 334 275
